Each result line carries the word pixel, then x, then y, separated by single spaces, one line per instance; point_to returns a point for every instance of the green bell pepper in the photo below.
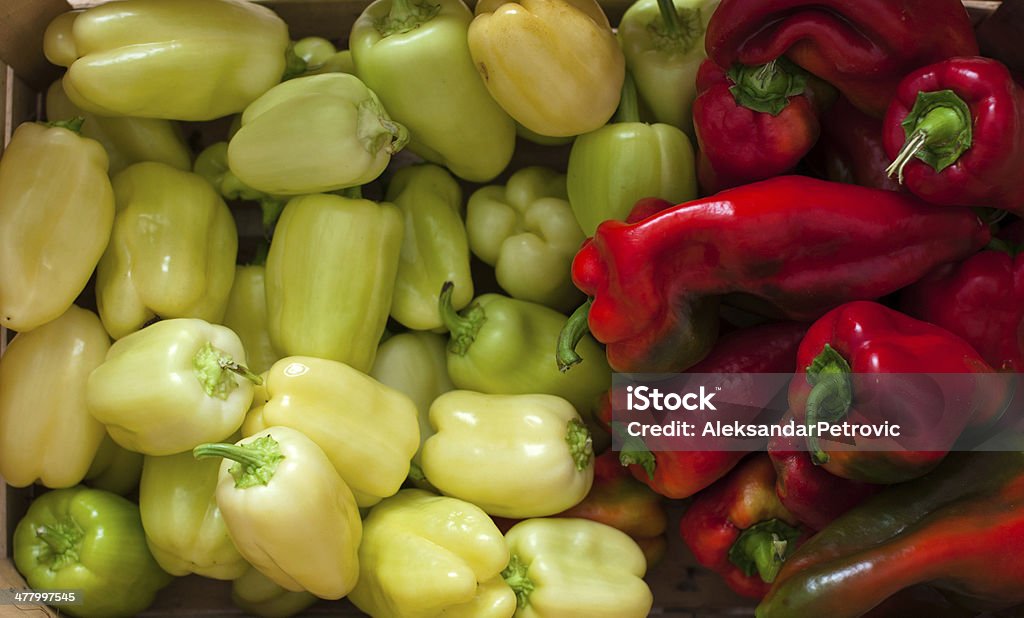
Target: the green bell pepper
pixel 330 277
pixel 405 50
pixel 127 140
pixel 501 345
pixel 88 540
pixel 182 60
pixel 663 41
pixel 115 468
pixel 434 246
pixel 184 527
pixel 258 595
pixel 613 167
pixel 527 231
pixel 314 134
pixel 246 314
pixel 171 253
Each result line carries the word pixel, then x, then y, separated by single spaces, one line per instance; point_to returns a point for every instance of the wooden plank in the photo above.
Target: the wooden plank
pixel 21 46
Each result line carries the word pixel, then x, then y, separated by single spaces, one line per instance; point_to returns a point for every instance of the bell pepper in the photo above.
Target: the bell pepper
pixel 115 468
pixel 275 488
pixel 801 245
pixel 955 134
pixel 321 56
pixel 402 50
pixel 511 455
pixel 813 495
pixel 843 354
pixel 368 431
pixel 527 231
pixel 314 134
pixel 126 140
pixel 501 345
pixel 212 164
pixel 740 530
pixel 415 364
pixel 613 167
pixel 768 348
pixel 529 57
pixel 170 386
pixel 90 541
pixel 752 122
pixel 426 555
pixel 663 42
pixel 46 432
pixel 258 595
pixel 171 253
pixel 330 253
pixel 51 234
pixel 862 48
pixel 434 245
pixel 850 149
pixel 575 568
pixel 134 58
pixel 957 529
pixel 184 527
pixel 246 315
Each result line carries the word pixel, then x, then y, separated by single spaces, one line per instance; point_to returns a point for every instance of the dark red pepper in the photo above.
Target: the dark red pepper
pixel 863 48
pixel 955 134
pixel 800 245
pixel 752 123
pixel 850 149
pixel 842 356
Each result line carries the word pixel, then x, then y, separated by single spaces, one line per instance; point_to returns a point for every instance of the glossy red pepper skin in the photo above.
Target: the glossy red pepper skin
pixel 856 342
pixel 850 149
pixel 863 48
pixel 989 171
pixel 799 245
pixel 718 516
pixel 738 144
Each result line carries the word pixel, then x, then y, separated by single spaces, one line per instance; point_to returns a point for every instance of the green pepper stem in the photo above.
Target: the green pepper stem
pixel 271 208
pixel 576 327
pixel 58 540
pixel 462 329
pixel 629 106
pixel 998 244
pixel 71 124
pixel 763 547
pixel 669 18
pixel 233 452
pixel 256 462
pixel 910 150
pixel 353 193
pixel 767 88
pixel 581 446
pixel 938 131
pixel 640 456
pixel 294 65
pixel 830 398
pixel 767 72
pixel 516 576
pixel 213 369
pixel 240 370
pixel 406 15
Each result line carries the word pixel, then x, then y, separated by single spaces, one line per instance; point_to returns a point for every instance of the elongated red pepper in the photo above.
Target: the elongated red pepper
pixel 752 123
pixel 843 354
pixel 863 48
pixel 955 134
pixel 800 245
pixel 740 530
pixel 850 148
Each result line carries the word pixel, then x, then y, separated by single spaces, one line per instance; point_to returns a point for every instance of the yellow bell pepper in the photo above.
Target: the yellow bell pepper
pixel 289 513
pixel 46 433
pixel 258 595
pixel 512 455
pixel 172 251
pixel 184 527
pixel 115 468
pixel 56 212
pixel 330 277
pixel 184 60
pixel 425 556
pixel 369 431
pixel 553 65
pixel 171 386
pixel 127 140
pixel 246 314
pixel 576 568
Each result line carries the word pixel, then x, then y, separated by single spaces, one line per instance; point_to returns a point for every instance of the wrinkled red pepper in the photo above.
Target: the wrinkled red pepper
pixel 800 245
pixel 850 149
pixel 752 123
pixel 740 530
pixel 842 355
pixel 863 48
pixel 955 134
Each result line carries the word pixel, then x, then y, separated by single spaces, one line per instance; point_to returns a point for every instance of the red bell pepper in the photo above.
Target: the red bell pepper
pixel 863 48
pixel 850 149
pixel 800 245
pixel 752 123
pixel 813 495
pixel 843 354
pixel 955 134
pixel 740 530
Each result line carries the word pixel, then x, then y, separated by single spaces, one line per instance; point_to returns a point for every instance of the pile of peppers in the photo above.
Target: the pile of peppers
pixel 338 319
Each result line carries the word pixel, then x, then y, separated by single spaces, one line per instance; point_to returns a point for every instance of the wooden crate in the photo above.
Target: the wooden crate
pixel 681 588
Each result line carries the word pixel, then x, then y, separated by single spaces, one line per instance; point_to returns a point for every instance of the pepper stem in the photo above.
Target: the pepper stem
pixel 637 453
pixel 71 124
pixel 581 446
pixel 213 369
pixel 676 30
pixel 406 15
pixel 768 87
pixel 462 329
pixel 669 18
pixel 938 131
pixel 572 333
pixel 255 462
pixel 830 397
pixel 63 540
pixel 271 208
pixel 763 547
pixel 515 575
pixel 353 193
pixel 378 132
pixel 294 65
